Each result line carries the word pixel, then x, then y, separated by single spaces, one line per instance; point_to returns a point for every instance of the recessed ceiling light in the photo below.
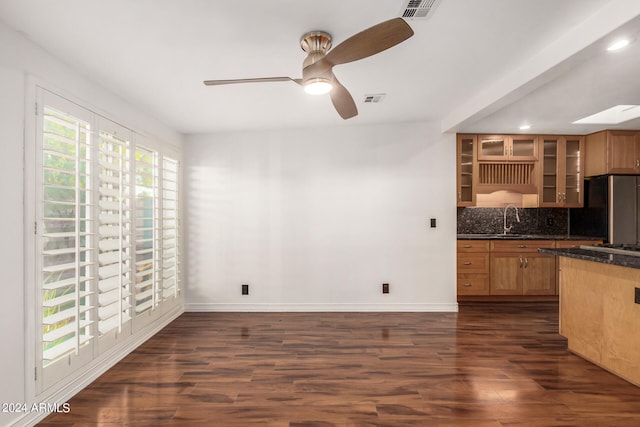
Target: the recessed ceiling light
pixel 525 127
pixel 617 45
pixel 612 116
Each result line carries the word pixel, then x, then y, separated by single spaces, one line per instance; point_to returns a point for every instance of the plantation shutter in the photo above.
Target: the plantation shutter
pixel 114 233
pixel 146 286
pixel 105 205
pixel 66 227
pixel 170 247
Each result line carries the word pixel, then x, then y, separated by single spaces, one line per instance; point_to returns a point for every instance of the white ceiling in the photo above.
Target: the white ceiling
pixel 476 66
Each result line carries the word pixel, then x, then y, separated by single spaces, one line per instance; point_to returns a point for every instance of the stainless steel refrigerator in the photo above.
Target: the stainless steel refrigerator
pixel 611 206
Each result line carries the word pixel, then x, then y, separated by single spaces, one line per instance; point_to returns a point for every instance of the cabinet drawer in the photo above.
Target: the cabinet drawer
pixel 473 245
pixel 520 245
pixel 563 244
pixel 473 263
pixel 473 284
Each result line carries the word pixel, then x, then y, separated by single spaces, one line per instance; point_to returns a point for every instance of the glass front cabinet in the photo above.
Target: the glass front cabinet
pixel 515 148
pixel 466 168
pixel 562 171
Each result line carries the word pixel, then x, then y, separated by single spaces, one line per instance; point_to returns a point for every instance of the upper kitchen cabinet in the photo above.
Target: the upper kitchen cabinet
pixel 512 148
pixel 612 152
pixel 467 170
pixel 562 171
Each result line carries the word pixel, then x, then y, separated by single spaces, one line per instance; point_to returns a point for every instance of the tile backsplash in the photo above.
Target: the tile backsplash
pixel 546 221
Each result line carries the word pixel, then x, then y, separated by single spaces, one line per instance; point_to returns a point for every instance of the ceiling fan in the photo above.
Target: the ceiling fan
pixel 317 68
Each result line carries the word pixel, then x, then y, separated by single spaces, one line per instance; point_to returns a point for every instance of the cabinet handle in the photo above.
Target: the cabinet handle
pixel 467 285
pixel 520 263
pixel 468 263
pixel 638 163
pixel 523 246
pixel 526 263
pixel 511 151
pixel 466 246
pixel 459 196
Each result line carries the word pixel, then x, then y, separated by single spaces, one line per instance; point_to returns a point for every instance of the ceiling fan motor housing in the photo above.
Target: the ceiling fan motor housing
pixel 316 44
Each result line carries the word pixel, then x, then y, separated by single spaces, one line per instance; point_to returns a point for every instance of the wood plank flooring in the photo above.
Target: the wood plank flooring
pixel 490 365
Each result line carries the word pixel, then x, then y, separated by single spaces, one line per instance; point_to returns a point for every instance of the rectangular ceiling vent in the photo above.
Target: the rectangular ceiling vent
pixel 418 9
pixel 374 98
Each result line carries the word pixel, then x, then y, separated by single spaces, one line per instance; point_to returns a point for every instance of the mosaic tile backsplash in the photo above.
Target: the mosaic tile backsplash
pixel 546 221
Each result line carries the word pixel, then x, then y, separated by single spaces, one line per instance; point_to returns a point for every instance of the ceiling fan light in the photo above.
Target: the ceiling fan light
pixel 317 86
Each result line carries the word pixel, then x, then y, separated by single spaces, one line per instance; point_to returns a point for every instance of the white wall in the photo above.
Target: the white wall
pixel 19 61
pixel 318 219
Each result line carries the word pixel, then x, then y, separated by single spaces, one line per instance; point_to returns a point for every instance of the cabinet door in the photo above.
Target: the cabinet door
pixel 573 155
pixel 623 152
pixel 562 171
pixel 466 165
pixel 493 147
pixel 506 274
pixel 523 147
pixel 539 274
pixel 550 189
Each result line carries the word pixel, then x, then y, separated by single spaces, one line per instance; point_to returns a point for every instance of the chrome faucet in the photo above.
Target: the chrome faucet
pixel 507 229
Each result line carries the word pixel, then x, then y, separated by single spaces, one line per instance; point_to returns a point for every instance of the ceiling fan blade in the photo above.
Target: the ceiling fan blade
pixel 256 80
pixel 342 100
pixel 366 43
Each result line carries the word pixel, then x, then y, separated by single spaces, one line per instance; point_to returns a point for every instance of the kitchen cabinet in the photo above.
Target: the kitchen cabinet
pixel 612 152
pixel 473 267
pixel 518 269
pixel 466 170
pixel 562 171
pixel 500 269
pixel 514 148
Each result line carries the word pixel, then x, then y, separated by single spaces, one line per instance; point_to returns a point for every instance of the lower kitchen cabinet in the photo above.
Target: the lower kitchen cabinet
pixel 507 269
pixel 518 269
pixel 473 267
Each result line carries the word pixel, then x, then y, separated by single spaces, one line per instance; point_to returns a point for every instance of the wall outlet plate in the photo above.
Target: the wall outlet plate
pixel 385 288
pixel 245 289
pixel 637 296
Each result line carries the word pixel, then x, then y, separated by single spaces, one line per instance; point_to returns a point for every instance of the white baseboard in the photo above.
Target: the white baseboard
pixel 397 307
pixel 96 368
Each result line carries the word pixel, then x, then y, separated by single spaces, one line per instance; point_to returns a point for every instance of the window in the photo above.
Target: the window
pixel 107 218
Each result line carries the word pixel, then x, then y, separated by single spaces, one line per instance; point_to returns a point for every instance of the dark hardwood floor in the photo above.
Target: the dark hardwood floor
pixel 489 365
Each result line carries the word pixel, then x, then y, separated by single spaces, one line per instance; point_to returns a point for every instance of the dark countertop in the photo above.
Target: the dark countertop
pixel 523 237
pixel 588 255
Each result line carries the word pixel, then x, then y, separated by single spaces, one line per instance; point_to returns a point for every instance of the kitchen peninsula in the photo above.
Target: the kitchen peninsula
pixel 600 308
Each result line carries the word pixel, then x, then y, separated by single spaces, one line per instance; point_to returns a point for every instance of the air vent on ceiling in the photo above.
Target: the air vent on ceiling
pixel 418 9
pixel 374 98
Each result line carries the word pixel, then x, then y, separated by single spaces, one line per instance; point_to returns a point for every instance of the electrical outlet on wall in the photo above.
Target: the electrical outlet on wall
pixel 245 289
pixel 385 288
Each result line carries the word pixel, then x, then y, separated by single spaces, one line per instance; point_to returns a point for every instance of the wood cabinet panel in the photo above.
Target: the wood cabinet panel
pixel 473 284
pixel 474 245
pixel 506 274
pixel 539 275
pixel 623 152
pixel 566 244
pixel 520 245
pixel 473 263
pixel 612 152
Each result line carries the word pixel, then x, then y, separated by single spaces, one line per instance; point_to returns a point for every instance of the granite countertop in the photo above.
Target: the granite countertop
pixel 523 237
pixel 595 256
